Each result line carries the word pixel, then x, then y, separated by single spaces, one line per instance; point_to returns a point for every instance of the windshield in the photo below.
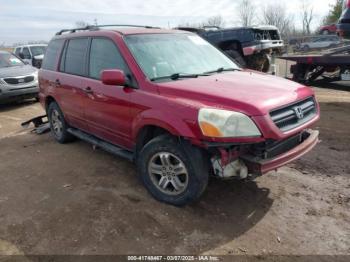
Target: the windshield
pixel 38 50
pixel 161 55
pixel 9 60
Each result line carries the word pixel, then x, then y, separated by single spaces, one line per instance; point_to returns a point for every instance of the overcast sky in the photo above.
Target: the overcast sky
pixel 31 20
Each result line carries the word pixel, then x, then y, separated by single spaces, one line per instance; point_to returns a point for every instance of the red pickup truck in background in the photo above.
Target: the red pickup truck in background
pixel 328 29
pixel 175 105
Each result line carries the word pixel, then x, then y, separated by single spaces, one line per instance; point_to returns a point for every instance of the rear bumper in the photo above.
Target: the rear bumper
pixel 264 45
pixel 261 166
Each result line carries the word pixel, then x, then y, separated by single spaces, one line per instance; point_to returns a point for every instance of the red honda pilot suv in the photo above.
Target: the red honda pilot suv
pixel 175 105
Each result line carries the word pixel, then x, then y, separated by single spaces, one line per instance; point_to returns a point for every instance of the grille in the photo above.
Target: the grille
pixel 294 115
pixel 19 80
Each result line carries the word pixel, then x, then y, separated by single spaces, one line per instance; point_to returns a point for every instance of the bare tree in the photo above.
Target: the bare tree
pixel 217 21
pixel 247 12
pixel 190 24
pixel 307 15
pixel 81 24
pixel 275 14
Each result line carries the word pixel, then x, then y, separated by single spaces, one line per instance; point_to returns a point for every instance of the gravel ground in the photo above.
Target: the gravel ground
pixel 71 199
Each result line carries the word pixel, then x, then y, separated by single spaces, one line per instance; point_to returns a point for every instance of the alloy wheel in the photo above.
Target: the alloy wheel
pixel 57 124
pixel 168 173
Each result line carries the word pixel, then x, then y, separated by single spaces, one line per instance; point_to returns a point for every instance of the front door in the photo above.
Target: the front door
pixel 107 109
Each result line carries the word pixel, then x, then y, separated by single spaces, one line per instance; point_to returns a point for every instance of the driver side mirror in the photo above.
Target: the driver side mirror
pixel 113 77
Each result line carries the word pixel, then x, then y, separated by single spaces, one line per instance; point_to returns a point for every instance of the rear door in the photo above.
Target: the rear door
pixel 69 82
pixel 107 109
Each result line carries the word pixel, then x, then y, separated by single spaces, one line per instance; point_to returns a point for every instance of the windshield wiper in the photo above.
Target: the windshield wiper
pixel 221 69
pixel 177 76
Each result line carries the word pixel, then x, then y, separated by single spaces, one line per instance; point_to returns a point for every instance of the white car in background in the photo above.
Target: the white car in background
pixel 17 80
pixel 31 54
pixel 321 42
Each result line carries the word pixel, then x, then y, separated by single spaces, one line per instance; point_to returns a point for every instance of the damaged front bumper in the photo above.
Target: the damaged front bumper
pixel 255 160
pixel 259 165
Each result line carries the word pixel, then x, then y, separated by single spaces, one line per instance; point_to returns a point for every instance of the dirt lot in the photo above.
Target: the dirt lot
pixel 71 199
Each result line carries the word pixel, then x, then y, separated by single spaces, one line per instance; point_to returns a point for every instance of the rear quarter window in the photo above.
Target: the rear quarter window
pixel 52 55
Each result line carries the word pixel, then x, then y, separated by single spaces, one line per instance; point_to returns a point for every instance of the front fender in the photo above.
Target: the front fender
pixel 175 125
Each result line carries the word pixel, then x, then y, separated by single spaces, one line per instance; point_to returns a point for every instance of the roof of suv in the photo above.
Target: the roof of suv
pixel 126 30
pixel 30 45
pixel 132 31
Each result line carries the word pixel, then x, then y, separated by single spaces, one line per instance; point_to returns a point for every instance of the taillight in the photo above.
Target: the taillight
pixel 348 4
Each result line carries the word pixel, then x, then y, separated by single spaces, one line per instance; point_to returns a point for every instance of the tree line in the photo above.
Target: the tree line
pixel 276 14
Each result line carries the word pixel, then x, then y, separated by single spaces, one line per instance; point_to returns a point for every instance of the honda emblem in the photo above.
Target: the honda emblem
pixel 298 112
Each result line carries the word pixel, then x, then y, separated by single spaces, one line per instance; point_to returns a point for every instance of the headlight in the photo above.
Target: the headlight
pixel 35 74
pixel 223 123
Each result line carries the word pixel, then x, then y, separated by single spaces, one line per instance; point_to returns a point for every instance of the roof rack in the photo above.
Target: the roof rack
pixel 97 27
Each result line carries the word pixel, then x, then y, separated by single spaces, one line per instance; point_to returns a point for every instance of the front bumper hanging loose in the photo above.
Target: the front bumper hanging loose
pixel 259 166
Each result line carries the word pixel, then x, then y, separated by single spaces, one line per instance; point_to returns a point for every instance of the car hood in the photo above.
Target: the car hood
pixel 249 92
pixel 17 71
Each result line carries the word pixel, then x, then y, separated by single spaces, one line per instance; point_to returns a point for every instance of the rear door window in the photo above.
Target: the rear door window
pixel 104 54
pixel 52 55
pixel 75 56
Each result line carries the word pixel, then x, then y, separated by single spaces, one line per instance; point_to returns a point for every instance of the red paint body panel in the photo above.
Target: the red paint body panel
pixel 117 114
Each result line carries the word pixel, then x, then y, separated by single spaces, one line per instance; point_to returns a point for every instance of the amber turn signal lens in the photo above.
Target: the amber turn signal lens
pixel 210 130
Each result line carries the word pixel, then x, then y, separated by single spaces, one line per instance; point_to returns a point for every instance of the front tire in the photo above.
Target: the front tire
pixel 173 172
pixel 58 124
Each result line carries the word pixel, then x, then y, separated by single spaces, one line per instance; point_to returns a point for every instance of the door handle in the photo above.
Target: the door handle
pixel 57 83
pixel 88 90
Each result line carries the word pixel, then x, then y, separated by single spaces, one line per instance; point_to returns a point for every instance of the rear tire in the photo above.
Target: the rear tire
pixel 173 172
pixel 58 124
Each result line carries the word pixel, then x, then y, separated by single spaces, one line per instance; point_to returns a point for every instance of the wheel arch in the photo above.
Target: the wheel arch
pixel 145 131
pixel 48 100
